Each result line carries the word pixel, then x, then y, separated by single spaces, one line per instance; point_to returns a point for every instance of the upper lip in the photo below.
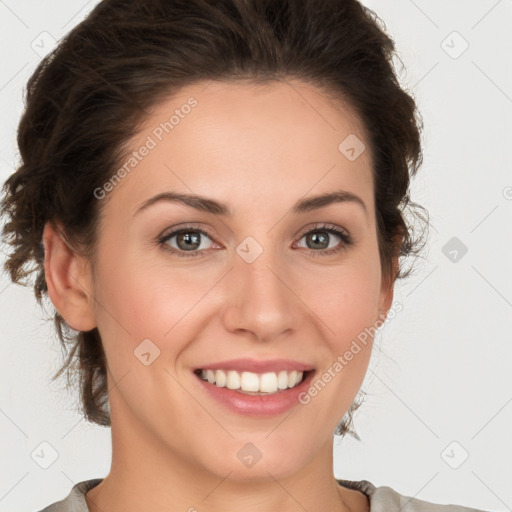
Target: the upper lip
pixel 257 366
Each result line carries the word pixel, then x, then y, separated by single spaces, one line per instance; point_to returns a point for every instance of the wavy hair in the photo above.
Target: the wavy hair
pixel 90 95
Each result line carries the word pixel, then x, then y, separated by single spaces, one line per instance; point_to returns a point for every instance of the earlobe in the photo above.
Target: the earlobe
pixel 69 280
pixel 386 298
pixel 388 283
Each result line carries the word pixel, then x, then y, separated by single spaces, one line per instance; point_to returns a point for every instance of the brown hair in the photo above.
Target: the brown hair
pixel 87 99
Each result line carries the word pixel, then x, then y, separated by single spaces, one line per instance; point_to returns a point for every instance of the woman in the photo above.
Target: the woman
pixel 212 196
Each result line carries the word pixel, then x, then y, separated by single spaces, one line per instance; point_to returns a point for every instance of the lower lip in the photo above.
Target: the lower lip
pixel 258 405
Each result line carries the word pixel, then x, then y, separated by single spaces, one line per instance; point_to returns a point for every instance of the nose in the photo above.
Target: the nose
pixel 260 298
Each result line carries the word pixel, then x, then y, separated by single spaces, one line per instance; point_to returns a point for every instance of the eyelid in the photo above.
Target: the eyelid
pixel 340 232
pixel 323 225
pixel 346 238
pixel 176 230
pixel 300 233
pixel 189 226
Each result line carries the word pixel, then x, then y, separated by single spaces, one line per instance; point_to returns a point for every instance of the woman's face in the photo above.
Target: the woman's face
pixel 262 281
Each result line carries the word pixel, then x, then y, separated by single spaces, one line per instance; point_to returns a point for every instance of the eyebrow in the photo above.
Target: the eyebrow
pixel 218 208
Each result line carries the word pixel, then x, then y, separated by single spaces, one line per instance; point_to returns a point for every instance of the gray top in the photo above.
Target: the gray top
pixel 382 499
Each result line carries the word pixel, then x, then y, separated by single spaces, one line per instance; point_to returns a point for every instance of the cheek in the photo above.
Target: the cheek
pixel 346 300
pixel 138 300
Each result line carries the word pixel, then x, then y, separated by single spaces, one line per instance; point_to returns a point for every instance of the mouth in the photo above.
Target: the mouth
pixel 252 387
pixel 252 383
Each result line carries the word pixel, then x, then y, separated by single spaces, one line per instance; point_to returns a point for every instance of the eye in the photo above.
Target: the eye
pixel 190 241
pixel 323 240
pixel 186 242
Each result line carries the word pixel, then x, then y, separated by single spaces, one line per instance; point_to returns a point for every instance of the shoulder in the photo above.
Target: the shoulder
pixel 75 500
pixel 386 499
pixel 382 499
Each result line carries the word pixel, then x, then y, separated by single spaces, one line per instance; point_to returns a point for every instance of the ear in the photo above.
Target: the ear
pixel 388 283
pixel 69 280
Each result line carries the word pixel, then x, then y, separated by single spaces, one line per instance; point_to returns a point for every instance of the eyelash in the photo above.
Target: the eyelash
pixel 327 228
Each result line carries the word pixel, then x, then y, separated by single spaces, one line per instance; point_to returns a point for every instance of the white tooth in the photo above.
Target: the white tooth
pixel 249 381
pixel 292 378
pixel 220 378
pixel 282 380
pixel 233 380
pixel 268 382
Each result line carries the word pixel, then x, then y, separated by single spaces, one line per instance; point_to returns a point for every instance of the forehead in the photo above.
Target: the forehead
pixel 248 141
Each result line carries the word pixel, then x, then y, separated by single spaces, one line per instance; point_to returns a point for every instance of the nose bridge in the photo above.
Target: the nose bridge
pixel 260 300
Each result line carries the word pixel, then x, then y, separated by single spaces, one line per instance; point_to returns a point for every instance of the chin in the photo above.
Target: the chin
pixel 260 459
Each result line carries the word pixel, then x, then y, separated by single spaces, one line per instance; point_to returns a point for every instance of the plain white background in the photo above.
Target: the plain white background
pixel 437 419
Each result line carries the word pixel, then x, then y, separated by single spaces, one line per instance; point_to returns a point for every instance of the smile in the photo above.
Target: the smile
pixel 252 383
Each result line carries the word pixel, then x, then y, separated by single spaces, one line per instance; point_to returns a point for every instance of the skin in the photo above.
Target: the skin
pixel 259 148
